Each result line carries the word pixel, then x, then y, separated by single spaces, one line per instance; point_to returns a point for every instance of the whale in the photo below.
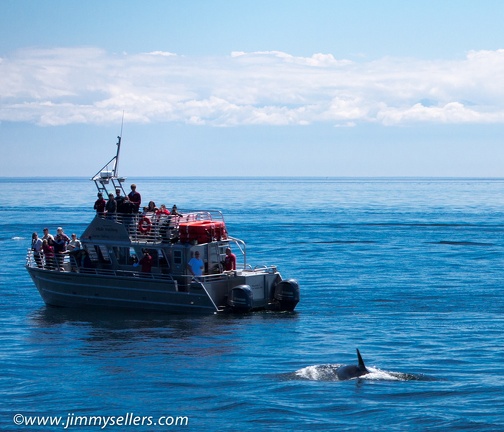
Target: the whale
pixel 342 372
pixel 347 372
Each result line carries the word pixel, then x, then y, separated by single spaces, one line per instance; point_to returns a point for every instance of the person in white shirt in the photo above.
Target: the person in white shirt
pixel 74 244
pixel 37 249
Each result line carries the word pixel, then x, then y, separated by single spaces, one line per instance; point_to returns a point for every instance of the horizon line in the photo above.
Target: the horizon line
pixel 440 177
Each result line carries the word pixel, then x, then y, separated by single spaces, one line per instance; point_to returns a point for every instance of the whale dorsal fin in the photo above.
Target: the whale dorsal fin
pixel 362 366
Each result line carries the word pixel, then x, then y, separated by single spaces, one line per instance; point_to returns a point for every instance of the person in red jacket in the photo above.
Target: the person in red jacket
pixel 146 262
pixel 48 251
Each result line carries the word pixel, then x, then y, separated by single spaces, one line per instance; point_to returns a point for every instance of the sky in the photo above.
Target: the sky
pixel 331 88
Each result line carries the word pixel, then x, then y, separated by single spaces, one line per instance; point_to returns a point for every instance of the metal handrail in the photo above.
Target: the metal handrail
pixel 31 262
pixel 240 244
pixel 150 227
pixel 194 280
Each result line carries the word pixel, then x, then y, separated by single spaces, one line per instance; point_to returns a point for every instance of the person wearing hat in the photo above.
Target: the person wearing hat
pixel 99 204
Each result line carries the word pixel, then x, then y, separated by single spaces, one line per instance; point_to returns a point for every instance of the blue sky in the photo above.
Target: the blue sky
pixel 252 88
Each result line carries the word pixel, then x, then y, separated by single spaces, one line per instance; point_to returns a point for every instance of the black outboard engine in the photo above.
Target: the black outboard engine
pixel 287 294
pixel 240 298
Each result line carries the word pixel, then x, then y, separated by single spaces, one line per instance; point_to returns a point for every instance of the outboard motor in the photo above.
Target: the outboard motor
pixel 287 294
pixel 240 298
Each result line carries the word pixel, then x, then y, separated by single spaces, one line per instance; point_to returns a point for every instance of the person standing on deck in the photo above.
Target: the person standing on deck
pixel 100 204
pixel 37 249
pixel 48 236
pixel 135 198
pixel 60 246
pixel 119 199
pixel 48 255
pixel 146 262
pixel 196 265
pixel 74 244
pixel 230 260
pixel 111 207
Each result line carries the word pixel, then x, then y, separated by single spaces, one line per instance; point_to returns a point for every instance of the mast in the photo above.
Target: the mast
pixel 119 138
pixel 107 175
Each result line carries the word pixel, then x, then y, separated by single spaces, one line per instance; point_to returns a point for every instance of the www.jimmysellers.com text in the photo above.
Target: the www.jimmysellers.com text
pixel 74 420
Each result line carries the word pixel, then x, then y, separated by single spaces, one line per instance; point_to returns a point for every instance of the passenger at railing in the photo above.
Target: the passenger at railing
pixel 60 245
pixel 111 207
pixel 230 260
pixel 135 198
pixel 175 216
pixel 100 204
pixel 127 206
pixel 127 213
pixel 74 244
pixel 196 265
pixel 162 211
pixel 37 249
pixel 119 199
pixel 48 254
pixel 146 262
pixel 174 211
pixel 151 208
pixel 75 252
pixel 162 221
pixel 48 236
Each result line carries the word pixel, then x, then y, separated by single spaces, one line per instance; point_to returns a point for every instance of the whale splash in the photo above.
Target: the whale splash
pixel 328 372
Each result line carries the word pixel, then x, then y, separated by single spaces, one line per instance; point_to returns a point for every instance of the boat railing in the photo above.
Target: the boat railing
pixel 55 261
pixel 201 285
pixel 240 244
pixel 65 262
pixel 152 227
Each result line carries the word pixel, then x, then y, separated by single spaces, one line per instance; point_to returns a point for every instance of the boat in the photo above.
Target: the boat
pixel 105 272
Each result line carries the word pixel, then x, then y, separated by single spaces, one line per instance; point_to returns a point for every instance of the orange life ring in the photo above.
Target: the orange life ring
pixel 144 225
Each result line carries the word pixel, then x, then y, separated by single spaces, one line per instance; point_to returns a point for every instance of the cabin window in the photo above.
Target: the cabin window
pixel 164 263
pixel 177 257
pixel 102 253
pixel 124 255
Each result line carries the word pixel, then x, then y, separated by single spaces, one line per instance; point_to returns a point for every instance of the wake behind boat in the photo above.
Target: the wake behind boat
pixel 105 270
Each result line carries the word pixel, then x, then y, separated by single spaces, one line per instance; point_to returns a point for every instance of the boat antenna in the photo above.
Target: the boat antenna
pixel 105 176
pixel 119 138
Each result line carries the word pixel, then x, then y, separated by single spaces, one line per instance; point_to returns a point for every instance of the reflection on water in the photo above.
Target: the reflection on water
pixel 129 333
pixel 136 333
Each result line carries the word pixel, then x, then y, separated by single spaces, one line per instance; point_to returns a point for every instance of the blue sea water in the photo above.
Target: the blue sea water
pixel 410 271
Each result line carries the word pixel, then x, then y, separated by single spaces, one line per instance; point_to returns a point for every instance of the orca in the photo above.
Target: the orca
pixel 352 371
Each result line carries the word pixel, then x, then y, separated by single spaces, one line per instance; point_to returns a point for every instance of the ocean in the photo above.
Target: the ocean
pixel 409 271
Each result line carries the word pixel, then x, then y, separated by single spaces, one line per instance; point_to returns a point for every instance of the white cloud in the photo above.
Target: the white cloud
pixel 161 53
pixel 88 85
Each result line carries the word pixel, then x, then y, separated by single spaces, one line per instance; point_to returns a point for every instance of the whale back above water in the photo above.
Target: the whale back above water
pixel 341 372
pixel 352 371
